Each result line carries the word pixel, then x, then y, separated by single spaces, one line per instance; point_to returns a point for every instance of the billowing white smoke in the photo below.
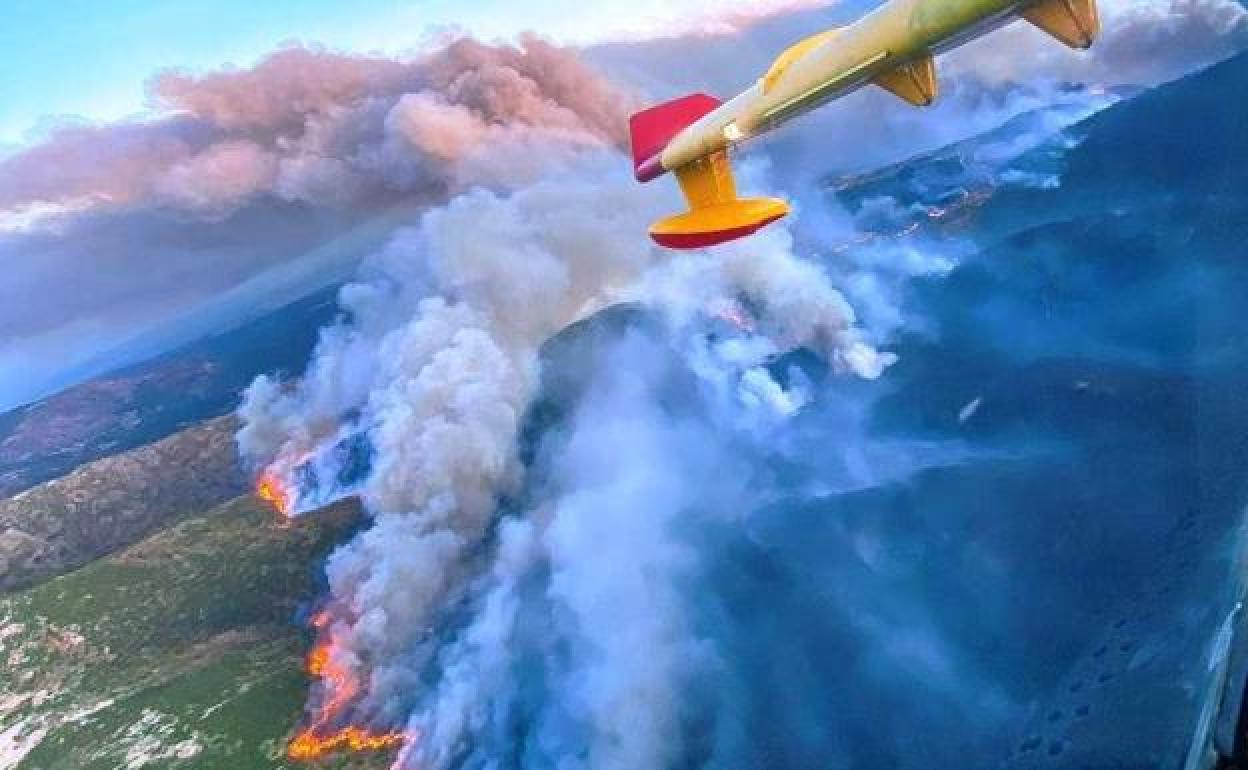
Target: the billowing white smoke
pixel 437 363
pixel 624 479
pixel 618 692
pixel 434 366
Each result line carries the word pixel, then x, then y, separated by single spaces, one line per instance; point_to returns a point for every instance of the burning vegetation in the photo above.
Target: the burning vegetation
pixel 327 728
pixel 271 489
pixel 307 745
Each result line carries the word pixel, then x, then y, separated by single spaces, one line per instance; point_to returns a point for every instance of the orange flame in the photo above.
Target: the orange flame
pixel 318 660
pixel 307 745
pixel 339 686
pixel 271 489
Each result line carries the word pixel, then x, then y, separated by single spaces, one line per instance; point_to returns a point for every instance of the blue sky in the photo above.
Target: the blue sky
pixel 91 58
pixel 79 57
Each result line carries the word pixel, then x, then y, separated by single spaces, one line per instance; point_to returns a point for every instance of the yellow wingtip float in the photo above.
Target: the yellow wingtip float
pixel 893 47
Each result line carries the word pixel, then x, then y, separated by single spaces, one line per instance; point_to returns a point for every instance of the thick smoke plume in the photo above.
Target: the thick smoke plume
pixel 441 612
pixel 437 366
pixel 436 362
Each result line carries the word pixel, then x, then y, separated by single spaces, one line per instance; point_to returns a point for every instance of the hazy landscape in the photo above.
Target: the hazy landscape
pixel 1050 482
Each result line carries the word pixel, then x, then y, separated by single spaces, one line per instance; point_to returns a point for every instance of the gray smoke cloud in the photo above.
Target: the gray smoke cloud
pixel 439 363
pixel 120 228
pixel 306 121
pixel 254 171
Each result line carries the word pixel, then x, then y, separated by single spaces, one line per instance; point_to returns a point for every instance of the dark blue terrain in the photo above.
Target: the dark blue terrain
pixel 1053 593
pixel 1017 549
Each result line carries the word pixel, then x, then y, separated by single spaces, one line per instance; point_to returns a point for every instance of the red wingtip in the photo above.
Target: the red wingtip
pixel 652 129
